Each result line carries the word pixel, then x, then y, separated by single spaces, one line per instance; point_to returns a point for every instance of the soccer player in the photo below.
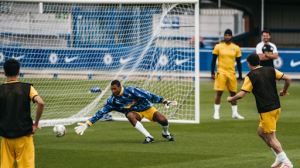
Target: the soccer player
pixel 266 50
pixel 16 125
pixel 226 52
pixel 135 104
pixel 261 82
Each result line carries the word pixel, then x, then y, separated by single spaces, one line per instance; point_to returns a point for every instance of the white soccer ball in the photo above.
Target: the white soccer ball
pixel 59 130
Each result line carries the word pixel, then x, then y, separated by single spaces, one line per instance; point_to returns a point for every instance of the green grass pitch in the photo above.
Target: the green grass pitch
pixel 227 142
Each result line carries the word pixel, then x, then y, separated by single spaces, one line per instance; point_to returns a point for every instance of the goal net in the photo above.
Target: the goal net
pixel 65 49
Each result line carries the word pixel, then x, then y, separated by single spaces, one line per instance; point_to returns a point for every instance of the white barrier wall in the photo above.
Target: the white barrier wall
pixel 39 24
pixel 209 25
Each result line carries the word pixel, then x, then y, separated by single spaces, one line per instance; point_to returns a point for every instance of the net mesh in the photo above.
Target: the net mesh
pixel 70 48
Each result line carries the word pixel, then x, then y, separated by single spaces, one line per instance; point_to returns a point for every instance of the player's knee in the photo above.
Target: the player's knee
pixel 219 94
pixel 131 118
pixel 130 115
pixel 232 93
pixel 163 121
pixel 260 133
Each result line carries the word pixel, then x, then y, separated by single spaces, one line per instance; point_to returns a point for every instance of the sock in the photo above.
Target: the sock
pixel 165 130
pixel 217 107
pixel 274 152
pixel 234 109
pixel 139 126
pixel 283 157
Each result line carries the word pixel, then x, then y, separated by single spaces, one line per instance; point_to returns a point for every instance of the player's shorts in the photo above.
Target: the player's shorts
pixel 227 80
pixel 268 120
pixel 17 149
pixel 147 114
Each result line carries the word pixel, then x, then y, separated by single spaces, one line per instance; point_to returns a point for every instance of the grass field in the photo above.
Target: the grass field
pixel 227 142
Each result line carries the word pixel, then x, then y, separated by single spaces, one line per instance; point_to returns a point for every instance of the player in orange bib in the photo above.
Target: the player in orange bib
pixel 226 52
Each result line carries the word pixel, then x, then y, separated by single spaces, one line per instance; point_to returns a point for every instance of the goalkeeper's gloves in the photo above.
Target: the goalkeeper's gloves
pixel 170 103
pixel 81 128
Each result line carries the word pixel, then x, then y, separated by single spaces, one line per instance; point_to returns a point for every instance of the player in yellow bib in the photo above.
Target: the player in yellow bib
pixel 226 52
pixel 261 81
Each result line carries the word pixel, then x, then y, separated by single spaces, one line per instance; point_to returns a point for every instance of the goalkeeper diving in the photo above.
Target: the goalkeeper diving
pixel 135 104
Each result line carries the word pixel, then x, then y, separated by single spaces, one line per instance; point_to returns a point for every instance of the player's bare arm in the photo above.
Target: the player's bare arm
pixel 287 83
pixel 39 111
pixel 240 95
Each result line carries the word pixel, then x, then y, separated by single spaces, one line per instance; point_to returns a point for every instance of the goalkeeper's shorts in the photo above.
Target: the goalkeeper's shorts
pixel 147 114
pixel 268 120
pixel 17 149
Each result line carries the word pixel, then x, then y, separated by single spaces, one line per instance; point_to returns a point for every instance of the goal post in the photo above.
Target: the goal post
pixel 66 47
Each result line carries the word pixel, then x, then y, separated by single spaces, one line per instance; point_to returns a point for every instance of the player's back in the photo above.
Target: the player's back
pixel 15 119
pixel 263 80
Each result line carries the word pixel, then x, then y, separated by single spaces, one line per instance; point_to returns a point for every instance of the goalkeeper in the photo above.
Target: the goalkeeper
pixel 135 104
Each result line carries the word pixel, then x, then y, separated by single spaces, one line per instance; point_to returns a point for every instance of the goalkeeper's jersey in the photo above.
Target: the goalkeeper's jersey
pixel 130 99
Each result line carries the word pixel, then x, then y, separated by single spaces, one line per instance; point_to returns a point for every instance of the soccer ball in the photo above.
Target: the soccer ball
pixel 59 130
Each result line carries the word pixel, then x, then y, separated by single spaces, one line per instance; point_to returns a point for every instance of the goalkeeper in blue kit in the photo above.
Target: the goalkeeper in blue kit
pixel 135 104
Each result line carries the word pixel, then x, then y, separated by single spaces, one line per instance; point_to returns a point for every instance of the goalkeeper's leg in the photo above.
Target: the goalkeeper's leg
pixel 135 119
pixel 163 121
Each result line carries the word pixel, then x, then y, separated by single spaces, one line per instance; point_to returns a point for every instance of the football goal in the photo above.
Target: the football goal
pixel 66 47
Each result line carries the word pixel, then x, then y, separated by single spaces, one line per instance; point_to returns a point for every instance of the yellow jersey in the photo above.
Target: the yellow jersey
pixel 227 53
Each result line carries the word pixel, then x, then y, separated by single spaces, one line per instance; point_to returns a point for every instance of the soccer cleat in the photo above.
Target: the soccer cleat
pixel 216 116
pixel 286 165
pixel 169 137
pixel 237 116
pixel 148 140
pixel 277 163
